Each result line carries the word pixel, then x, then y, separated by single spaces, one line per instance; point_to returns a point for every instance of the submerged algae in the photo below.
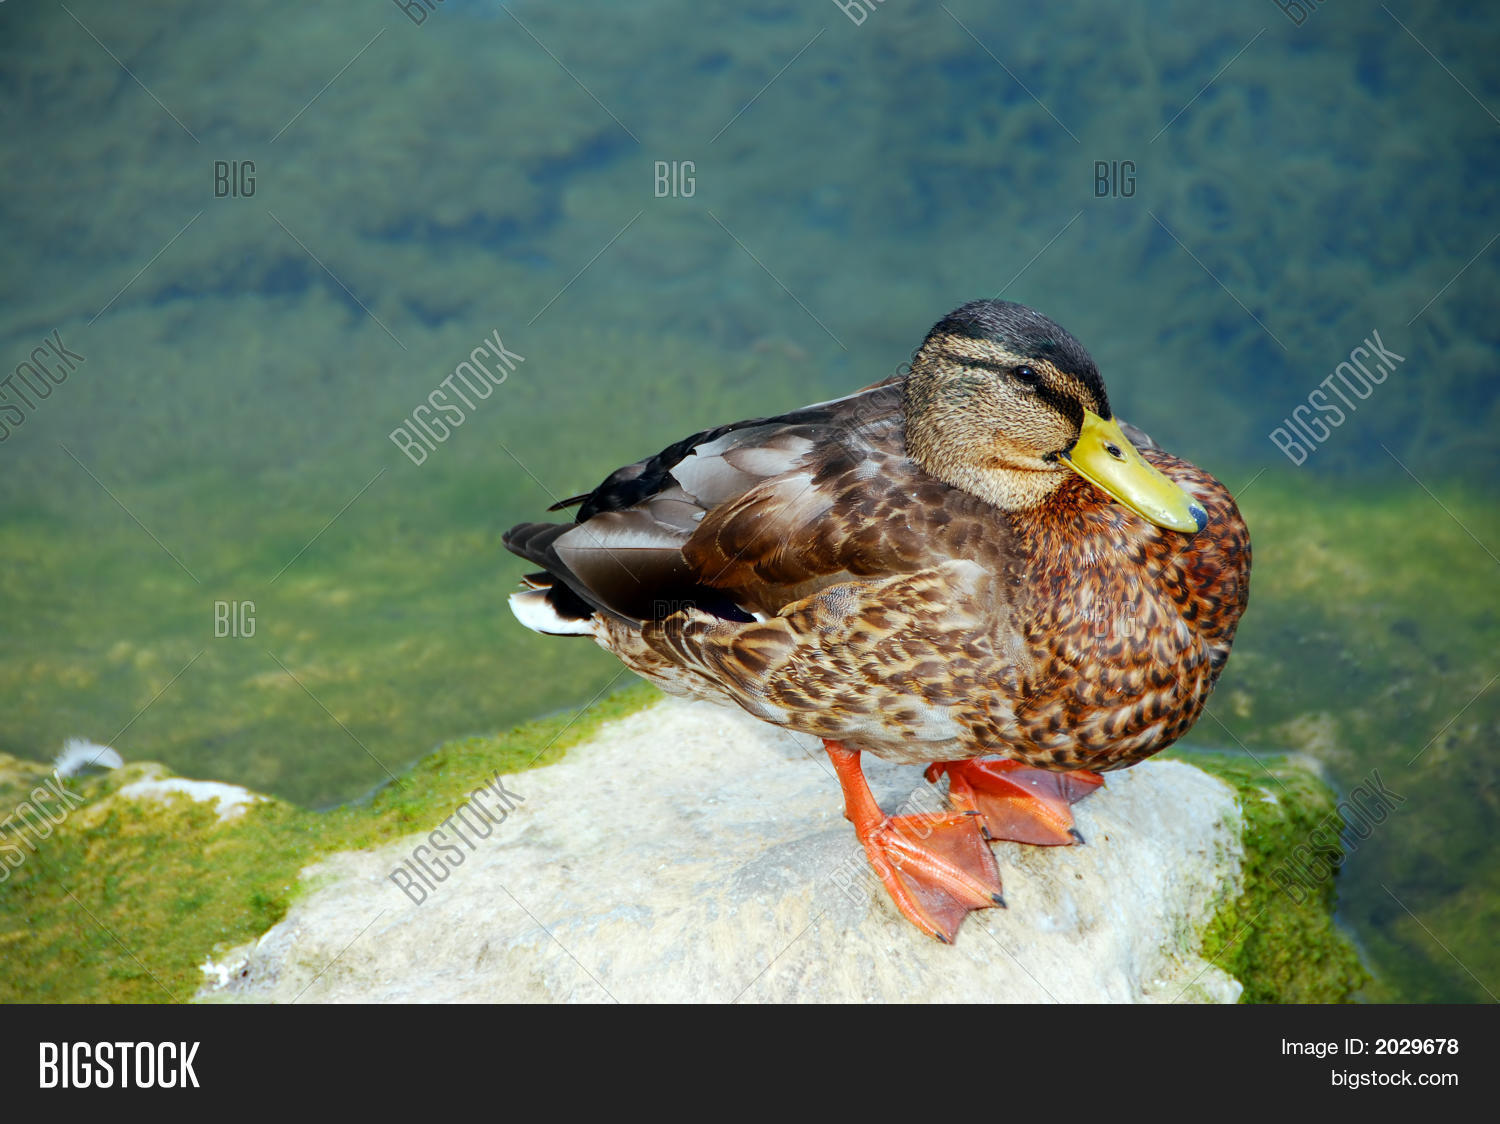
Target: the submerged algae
pixel 898 174
pixel 378 595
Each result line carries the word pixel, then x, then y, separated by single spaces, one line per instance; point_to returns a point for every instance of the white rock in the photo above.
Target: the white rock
pixel 686 853
pixel 232 799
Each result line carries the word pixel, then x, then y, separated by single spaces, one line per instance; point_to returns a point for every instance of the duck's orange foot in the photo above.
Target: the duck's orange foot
pixel 937 869
pixel 1016 802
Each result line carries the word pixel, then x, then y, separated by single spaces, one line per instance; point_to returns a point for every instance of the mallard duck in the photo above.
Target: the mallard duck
pixel 973 564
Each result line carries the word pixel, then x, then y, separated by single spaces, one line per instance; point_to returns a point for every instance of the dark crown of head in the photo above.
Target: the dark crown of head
pixel 1023 331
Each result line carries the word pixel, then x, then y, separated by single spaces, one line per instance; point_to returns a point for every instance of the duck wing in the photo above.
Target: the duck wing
pixel 740 520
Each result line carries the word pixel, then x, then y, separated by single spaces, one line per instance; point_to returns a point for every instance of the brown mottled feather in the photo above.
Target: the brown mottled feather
pixel 904 616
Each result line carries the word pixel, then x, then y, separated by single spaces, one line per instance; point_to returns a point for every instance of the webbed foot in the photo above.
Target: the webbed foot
pixel 1016 802
pixel 937 869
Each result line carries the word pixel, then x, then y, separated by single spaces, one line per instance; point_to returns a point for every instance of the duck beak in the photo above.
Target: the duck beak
pixel 1104 458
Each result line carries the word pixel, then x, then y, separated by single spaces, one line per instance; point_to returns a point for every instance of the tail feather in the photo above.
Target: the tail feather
pixel 533 542
pixel 568 594
pixel 534 609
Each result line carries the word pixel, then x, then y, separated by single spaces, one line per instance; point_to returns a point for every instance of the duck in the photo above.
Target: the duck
pixel 972 565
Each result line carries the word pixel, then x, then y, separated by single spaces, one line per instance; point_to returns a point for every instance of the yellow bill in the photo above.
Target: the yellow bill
pixel 1104 458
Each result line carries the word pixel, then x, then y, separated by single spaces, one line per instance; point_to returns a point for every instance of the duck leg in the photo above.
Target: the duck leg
pixel 1016 802
pixel 937 869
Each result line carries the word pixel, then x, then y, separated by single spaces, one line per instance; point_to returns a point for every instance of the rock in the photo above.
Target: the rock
pixel 230 800
pixel 689 853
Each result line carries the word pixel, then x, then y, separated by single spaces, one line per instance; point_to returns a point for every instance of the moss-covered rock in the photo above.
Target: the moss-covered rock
pixel 138 887
pixel 125 897
pixel 1275 931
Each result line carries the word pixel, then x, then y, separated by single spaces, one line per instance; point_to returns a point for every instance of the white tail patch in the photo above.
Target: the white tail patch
pixel 534 611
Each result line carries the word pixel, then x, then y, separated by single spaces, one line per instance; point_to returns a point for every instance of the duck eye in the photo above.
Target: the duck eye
pixel 1028 375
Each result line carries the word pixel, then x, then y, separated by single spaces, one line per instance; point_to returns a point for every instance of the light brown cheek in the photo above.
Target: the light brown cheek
pixel 1039 428
pixel 1006 451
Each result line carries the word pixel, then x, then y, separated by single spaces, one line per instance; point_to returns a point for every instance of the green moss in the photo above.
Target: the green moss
pixel 1369 645
pixel 1281 943
pixel 125 898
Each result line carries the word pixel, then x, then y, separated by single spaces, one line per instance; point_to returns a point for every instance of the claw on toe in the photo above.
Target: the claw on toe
pixel 1016 802
pixel 937 870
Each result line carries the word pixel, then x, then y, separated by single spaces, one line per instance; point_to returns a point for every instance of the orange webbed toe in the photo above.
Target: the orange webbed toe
pixel 1016 802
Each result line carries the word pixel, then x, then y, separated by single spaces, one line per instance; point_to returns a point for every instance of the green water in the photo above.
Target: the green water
pixel 1295 188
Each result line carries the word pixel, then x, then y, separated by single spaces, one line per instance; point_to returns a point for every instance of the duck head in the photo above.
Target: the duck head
pixel 1003 403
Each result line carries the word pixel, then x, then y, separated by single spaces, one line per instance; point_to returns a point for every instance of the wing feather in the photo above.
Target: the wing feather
pixel 764 512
